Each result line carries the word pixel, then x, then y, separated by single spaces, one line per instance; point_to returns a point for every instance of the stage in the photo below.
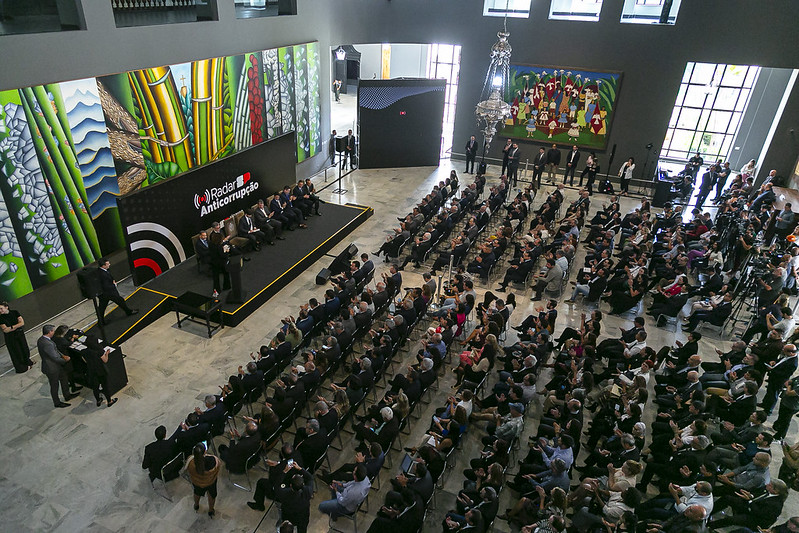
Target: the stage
pixel 268 271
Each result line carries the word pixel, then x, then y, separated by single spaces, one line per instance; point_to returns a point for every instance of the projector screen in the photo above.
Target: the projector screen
pixel 400 122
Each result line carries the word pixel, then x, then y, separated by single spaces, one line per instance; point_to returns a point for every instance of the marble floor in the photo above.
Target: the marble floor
pixel 78 469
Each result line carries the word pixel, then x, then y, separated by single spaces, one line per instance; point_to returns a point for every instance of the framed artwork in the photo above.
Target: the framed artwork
pixel 562 105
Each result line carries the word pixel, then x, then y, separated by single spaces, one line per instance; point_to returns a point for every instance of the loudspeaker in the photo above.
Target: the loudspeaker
pixel 481 168
pixel 341 144
pixel 323 276
pixel 352 251
pixel 89 281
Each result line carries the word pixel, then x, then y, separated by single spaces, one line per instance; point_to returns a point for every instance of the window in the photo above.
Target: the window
pixel 650 11
pixel 444 61
pixel 511 8
pixel 708 110
pixel 585 10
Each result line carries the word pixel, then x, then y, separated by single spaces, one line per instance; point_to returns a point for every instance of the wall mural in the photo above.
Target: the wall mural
pixel 68 150
pixel 561 105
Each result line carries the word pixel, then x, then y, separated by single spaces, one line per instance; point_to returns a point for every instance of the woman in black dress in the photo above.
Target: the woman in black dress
pixel 13 327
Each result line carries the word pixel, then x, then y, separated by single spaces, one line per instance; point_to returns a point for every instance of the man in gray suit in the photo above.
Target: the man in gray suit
pixel 53 366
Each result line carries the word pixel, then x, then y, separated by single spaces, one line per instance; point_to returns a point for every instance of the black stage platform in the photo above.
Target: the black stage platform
pixel 268 272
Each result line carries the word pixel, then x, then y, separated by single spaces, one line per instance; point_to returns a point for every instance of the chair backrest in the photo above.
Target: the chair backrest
pixel 175 463
pixel 231 228
pixel 253 459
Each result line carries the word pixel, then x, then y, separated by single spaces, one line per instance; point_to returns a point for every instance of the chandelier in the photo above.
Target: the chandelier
pixel 493 107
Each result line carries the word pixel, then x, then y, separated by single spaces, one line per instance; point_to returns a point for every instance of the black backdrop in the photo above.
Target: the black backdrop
pixel 160 220
pixel 399 122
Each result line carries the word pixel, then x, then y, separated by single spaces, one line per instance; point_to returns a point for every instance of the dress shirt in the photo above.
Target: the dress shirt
pixel 750 477
pixel 550 454
pixel 353 493
pixel 691 497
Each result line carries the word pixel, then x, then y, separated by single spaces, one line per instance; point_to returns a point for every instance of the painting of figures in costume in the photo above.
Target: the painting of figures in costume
pixel 561 105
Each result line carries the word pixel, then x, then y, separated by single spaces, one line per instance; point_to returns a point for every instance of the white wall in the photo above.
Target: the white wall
pixel 371 60
pixel 408 60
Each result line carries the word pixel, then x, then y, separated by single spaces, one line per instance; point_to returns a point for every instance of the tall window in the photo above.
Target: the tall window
pixel 444 61
pixel 650 11
pixel 586 10
pixel 710 103
pixel 512 8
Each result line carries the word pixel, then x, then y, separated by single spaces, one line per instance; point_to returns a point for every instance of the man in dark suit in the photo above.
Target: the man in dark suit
pixel 266 486
pixel 517 271
pixel 708 181
pixel 752 511
pixel 571 164
pixel 157 454
pixel 421 482
pixel 202 249
pixel 553 161
pixel 513 163
pixel 295 497
pixel 301 200
pixel 288 200
pixel 778 373
pixel 251 379
pixel 236 455
pixel 262 217
pixel 539 163
pixel 308 191
pixel 214 415
pixel 286 218
pixel 53 366
pixel 109 292
pixel 313 446
pixel 471 154
pixel 349 150
pixel 189 434
pixel 250 231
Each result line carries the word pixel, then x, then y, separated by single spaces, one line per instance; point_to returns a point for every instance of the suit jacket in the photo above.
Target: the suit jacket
pixel 107 285
pixel 471 148
pixel 286 198
pixel 423 486
pixel 351 142
pixel 276 206
pixel 52 362
pixel 260 217
pixel 185 440
pixel 237 454
pixel 573 158
pixel 312 448
pixel 782 371
pixel 739 410
pixel 202 250
pixel 513 158
pixel 245 225
pixel 540 160
pixel 215 418
pixel 156 455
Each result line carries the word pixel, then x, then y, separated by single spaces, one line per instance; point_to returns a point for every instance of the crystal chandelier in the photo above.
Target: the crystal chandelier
pixel 493 107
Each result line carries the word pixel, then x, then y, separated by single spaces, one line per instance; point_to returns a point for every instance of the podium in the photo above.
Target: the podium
pixel 236 294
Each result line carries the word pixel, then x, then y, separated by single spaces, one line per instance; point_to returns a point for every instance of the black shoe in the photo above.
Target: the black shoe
pixel 133 312
pixel 257 248
pixel 99 403
pixel 211 513
pixel 280 238
pixel 62 404
pixel 74 389
pixel 112 401
pixel 500 289
pixel 246 258
pixel 270 243
pixel 256 507
pixel 68 397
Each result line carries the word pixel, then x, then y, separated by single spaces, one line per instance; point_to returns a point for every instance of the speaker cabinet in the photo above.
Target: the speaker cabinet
pixel 323 277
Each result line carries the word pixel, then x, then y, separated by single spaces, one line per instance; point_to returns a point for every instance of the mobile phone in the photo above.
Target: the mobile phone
pixel 290 463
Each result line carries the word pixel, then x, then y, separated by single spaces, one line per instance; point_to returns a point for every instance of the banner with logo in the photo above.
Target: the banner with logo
pixel 160 220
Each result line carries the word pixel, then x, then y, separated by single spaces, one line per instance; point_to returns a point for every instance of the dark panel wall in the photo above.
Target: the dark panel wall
pixel 652 57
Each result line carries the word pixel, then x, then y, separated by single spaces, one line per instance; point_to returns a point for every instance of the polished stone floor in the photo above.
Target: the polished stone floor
pixel 78 469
